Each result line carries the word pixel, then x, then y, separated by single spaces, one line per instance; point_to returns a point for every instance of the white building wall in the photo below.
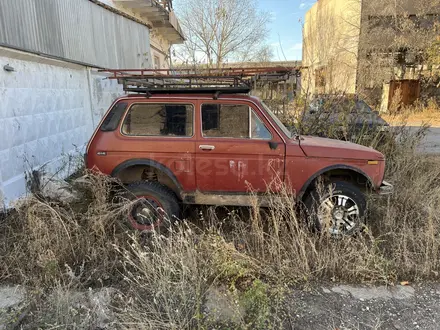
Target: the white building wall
pixel 48 109
pixel 102 94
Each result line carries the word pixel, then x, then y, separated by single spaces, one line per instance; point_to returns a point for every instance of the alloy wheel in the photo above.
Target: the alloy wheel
pixel 338 214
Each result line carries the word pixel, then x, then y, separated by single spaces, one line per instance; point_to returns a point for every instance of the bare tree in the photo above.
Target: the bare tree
pixel 263 54
pixel 220 30
pixel 433 53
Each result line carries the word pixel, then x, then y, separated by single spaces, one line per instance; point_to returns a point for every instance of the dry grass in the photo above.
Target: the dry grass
pixel 415 115
pixel 45 242
pixel 163 281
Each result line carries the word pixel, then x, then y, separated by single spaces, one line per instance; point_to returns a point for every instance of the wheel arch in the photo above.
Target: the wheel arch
pixel 138 166
pixel 336 169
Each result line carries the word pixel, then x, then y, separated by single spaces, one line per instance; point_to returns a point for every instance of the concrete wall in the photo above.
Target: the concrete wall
pixel 393 34
pixel 48 109
pixel 331 39
pixel 400 7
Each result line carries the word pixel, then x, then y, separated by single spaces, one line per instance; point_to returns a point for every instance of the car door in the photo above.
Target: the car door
pixel 237 149
pixel 161 131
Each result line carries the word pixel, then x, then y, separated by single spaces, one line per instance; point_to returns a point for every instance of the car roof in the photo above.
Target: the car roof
pixel 193 96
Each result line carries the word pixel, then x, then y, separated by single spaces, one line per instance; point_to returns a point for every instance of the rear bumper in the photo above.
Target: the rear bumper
pixel 386 188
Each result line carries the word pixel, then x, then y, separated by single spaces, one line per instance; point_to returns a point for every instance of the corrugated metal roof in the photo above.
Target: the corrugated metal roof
pixel 77 30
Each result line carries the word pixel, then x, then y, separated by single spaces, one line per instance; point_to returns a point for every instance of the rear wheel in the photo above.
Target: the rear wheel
pixel 338 209
pixel 154 206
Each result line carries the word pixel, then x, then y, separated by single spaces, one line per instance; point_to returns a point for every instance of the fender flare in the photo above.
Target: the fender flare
pixel 147 162
pixel 329 168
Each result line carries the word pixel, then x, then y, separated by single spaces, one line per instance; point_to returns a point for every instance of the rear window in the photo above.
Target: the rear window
pixel 113 118
pixel 152 119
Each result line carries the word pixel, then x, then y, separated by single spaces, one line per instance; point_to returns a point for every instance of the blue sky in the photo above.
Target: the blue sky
pixel 286 26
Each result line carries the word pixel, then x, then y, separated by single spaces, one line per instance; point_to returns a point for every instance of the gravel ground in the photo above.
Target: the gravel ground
pixel 339 307
pixel 357 307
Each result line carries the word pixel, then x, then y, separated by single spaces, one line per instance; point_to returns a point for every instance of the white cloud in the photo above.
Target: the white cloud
pixel 297 46
pixel 305 4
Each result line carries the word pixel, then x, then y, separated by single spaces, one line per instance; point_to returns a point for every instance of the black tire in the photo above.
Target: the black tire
pixel 353 209
pixel 156 198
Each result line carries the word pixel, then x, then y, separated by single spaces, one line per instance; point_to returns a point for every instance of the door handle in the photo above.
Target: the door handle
pixel 273 145
pixel 206 147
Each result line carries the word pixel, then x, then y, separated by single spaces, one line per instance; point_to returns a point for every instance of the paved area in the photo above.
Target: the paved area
pixel 431 143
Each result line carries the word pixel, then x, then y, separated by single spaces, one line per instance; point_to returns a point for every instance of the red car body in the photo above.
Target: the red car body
pixel 209 170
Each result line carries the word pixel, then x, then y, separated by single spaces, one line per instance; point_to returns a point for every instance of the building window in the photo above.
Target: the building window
pixel 157 65
pixel 159 120
pixel 382 21
pixel 320 78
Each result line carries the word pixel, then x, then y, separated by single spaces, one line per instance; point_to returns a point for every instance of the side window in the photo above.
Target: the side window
pixel 113 118
pixel 159 120
pixel 232 121
pixel 225 120
pixel 258 129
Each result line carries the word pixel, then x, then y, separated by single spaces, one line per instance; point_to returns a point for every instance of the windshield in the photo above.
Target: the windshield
pixel 277 121
pixel 362 106
pixel 338 105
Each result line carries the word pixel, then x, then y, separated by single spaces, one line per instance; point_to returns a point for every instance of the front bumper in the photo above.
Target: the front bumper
pixel 386 188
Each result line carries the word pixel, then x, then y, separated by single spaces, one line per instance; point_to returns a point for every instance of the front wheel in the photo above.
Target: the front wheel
pixel 338 209
pixel 154 206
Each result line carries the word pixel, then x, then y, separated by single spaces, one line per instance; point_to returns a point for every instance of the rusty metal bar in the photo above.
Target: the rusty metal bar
pixel 210 72
pixel 190 80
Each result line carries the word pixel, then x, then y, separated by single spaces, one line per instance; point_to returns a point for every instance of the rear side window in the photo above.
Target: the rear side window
pixel 113 118
pixel 151 119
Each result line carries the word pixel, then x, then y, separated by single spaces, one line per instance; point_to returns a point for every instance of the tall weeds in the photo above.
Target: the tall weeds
pixel 44 242
pixel 254 255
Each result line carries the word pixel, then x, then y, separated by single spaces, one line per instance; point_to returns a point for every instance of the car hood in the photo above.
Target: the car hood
pixel 329 148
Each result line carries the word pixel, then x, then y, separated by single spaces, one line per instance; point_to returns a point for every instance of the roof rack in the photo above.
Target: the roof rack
pixel 224 80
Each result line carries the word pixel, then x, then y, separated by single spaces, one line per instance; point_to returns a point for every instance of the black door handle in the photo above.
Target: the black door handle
pixel 273 145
